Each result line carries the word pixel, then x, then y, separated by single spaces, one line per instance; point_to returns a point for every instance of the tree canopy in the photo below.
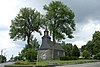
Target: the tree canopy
pixel 2 59
pixel 75 51
pixel 60 20
pixel 86 54
pixel 93 46
pixel 24 24
pixel 67 48
pixel 96 42
pixel 90 47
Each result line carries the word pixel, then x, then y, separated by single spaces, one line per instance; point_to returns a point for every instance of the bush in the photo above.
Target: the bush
pixel 86 54
pixel 68 58
pixel 97 56
pixel 2 59
pixel 29 54
pixel 75 51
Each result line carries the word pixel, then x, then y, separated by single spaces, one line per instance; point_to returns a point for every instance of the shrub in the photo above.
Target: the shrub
pixel 29 54
pixel 75 51
pixel 97 56
pixel 2 59
pixel 68 58
pixel 86 54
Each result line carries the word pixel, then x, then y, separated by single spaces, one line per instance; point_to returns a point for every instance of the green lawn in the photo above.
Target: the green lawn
pixel 49 62
pixel 63 62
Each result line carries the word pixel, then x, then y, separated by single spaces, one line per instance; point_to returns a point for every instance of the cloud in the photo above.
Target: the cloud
pixel 5 43
pixel 84 9
pixel 92 24
pixel 9 46
pixel 79 43
pixel 84 31
pixel 8 10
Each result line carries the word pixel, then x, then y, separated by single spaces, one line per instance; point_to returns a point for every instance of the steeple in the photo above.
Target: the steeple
pixel 46 32
pixel 46 40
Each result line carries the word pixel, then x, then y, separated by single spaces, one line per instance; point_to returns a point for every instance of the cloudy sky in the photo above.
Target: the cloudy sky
pixel 87 19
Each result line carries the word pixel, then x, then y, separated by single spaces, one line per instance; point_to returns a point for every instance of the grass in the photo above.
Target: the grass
pixel 47 62
pixel 63 62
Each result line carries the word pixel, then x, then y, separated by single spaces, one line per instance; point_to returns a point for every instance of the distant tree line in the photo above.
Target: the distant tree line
pixel 2 59
pixel 71 52
pixel 92 48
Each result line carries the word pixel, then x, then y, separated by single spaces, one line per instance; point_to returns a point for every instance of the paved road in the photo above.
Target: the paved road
pixel 95 64
pixel 2 64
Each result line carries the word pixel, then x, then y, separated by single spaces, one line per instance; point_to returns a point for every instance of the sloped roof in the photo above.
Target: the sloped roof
pixel 57 46
pixel 44 46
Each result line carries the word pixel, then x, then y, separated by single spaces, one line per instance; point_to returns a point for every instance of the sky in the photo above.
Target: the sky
pixel 87 20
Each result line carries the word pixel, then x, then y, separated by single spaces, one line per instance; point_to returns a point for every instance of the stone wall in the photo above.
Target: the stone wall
pixel 44 54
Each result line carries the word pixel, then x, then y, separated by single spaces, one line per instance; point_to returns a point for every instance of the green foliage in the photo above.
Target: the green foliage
pixel 70 50
pixel 60 19
pixel 67 48
pixel 2 59
pixel 83 48
pixel 16 58
pixel 90 47
pixel 96 42
pixel 29 54
pixel 75 51
pixel 93 46
pixel 27 21
pixel 68 58
pixel 34 43
pixel 86 54
pixel 97 56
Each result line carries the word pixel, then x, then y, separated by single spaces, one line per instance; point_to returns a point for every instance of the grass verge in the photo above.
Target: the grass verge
pixel 50 62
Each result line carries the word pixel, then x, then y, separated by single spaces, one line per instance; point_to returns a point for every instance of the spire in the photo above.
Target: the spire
pixel 46 32
pixel 46 29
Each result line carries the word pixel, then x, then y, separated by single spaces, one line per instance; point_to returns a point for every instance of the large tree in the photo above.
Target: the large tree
pixel 60 20
pixel 96 42
pixel 83 48
pixel 75 51
pixel 93 46
pixel 24 24
pixel 90 47
pixel 2 59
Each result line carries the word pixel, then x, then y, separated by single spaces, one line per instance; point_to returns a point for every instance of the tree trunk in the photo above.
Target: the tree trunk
pixel 53 45
pixel 28 41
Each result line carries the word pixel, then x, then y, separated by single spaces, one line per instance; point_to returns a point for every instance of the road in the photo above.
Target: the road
pixel 2 64
pixel 95 64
